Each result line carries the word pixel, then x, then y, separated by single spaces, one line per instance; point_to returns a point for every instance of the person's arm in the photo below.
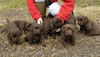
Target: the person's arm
pixel 66 10
pixel 33 10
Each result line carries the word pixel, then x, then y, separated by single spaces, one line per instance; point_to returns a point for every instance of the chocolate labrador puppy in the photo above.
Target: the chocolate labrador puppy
pixel 50 25
pixel 68 34
pixel 13 32
pixel 87 26
pixel 35 34
pixel 23 25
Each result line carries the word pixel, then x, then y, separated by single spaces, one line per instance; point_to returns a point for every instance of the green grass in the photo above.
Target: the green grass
pixel 12 3
pixel 84 3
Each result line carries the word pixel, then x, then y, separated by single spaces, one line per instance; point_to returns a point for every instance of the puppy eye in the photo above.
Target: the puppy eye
pixel 69 28
pixel 14 35
pixel 36 27
pixel 80 20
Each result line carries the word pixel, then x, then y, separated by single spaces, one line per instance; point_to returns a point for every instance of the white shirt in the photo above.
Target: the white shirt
pixel 54 8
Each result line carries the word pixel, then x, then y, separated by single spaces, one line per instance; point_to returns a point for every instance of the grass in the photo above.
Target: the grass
pixel 87 2
pixel 93 12
pixel 12 3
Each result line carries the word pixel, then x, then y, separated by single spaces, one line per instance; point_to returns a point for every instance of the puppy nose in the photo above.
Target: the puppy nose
pixel 68 33
pixel 38 32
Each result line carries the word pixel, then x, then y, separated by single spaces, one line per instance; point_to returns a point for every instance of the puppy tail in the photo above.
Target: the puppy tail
pixel 8 21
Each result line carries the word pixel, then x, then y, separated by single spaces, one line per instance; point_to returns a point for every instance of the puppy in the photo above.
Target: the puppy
pixel 50 25
pixel 87 26
pixel 22 25
pixel 13 33
pixel 35 34
pixel 68 34
pixel 46 28
pixel 31 38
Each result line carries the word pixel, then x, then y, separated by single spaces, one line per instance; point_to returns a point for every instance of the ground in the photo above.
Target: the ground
pixel 85 46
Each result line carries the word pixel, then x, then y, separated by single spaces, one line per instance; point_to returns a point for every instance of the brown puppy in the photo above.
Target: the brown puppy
pixel 68 34
pixel 35 34
pixel 31 38
pixel 13 33
pixel 50 25
pixel 46 28
pixel 87 26
pixel 22 25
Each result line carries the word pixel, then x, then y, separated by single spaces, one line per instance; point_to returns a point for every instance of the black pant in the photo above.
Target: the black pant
pixel 47 3
pixel 71 19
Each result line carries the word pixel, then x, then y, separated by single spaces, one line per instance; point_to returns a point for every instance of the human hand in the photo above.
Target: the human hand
pixel 39 21
pixel 60 2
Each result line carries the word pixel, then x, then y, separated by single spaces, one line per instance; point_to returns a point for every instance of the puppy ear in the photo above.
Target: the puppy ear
pixel 41 27
pixel 28 24
pixel 77 17
pixel 74 33
pixel 53 21
pixel 63 28
pixel 86 19
pixel 30 28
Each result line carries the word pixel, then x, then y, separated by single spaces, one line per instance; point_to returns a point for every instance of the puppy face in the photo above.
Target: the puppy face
pixel 32 38
pixel 13 32
pixel 68 29
pixel 82 20
pixel 14 37
pixel 57 24
pixel 36 39
pixel 35 29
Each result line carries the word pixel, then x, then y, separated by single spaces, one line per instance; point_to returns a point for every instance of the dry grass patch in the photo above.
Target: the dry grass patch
pixel 93 12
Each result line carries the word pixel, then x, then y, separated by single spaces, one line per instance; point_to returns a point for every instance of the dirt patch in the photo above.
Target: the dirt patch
pixel 85 46
pixel 14 14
